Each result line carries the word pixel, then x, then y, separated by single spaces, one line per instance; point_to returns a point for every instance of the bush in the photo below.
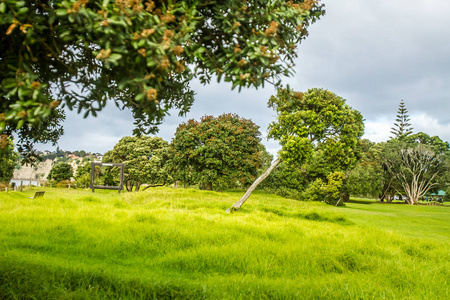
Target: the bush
pixel 330 192
pixel 66 184
pixel 60 171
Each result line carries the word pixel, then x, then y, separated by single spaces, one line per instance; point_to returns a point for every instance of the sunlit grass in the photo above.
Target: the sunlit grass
pixel 180 243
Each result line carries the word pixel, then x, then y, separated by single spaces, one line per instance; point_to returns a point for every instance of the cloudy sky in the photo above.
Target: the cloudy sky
pixel 372 53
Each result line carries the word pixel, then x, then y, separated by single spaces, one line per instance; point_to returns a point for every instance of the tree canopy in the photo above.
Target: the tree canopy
pixel 316 125
pixel 416 164
pixel 61 171
pixel 138 54
pixel 317 120
pixel 144 159
pixel 402 128
pixel 223 151
pixel 8 159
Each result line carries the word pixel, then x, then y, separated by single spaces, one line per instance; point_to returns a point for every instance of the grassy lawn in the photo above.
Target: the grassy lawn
pixel 180 243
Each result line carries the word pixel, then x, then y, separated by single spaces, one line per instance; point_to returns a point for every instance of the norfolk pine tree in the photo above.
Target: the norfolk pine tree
pixel 402 128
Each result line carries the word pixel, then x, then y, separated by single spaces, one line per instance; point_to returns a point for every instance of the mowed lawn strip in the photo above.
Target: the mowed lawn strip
pixel 180 243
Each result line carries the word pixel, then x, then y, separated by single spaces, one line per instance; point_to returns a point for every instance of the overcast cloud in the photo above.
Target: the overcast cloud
pixel 372 53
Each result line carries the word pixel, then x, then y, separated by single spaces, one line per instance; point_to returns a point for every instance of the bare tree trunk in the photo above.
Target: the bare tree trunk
pixel 138 186
pixel 250 190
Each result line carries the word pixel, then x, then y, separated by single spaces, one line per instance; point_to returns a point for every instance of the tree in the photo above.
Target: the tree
pixel 416 163
pixel 285 180
pixel 222 151
pixel 83 175
pixel 8 159
pixel 49 130
pixel 61 171
pixel 402 128
pixel 144 157
pixel 317 121
pixel 140 55
pixel 366 179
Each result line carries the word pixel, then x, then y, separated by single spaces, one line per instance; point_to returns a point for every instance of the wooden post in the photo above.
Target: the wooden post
pixel 92 176
pixel 122 168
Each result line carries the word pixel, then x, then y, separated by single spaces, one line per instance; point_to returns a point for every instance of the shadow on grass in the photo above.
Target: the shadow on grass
pixel 311 216
pixel 362 201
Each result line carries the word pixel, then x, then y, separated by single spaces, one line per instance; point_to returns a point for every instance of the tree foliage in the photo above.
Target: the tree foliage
pixel 416 163
pixel 83 176
pixel 402 128
pixel 223 151
pixel 286 180
pixel 8 159
pixel 318 130
pixel 317 120
pixel 316 126
pixel 145 160
pixel 367 178
pixel 138 54
pixel 61 171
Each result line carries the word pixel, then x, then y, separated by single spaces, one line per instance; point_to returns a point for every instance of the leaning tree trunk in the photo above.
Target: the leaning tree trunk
pixel 250 190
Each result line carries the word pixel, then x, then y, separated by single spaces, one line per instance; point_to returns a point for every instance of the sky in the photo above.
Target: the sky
pixel 372 53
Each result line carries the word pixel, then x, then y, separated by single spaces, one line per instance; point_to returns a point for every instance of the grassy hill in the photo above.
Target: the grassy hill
pixel 179 243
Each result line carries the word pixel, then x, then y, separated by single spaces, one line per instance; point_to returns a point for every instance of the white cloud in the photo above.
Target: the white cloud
pixel 377 131
pixel 431 126
pixel 372 53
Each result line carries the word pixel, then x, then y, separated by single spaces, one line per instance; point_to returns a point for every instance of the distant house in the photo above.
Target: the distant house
pixel 73 156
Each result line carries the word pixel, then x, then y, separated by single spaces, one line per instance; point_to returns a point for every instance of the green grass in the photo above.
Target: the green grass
pixel 179 243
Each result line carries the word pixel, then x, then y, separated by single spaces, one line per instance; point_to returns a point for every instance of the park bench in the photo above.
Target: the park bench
pixel 38 194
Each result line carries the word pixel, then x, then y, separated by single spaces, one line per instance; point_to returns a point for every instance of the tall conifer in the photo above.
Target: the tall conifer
pixel 402 128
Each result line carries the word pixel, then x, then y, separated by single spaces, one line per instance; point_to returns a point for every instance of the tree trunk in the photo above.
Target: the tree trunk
pixel 138 186
pixel 129 186
pixel 345 197
pixel 154 185
pixel 247 194
pixel 209 186
pixel 390 198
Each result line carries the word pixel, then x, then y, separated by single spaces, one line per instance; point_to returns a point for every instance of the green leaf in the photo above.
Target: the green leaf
pixel 20 124
pixel 61 12
pixel 2 7
pixel 23 10
pixel 199 51
pixel 115 57
pixel 139 97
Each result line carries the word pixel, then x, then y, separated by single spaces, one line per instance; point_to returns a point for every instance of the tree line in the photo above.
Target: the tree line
pixel 142 55
pixel 323 157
